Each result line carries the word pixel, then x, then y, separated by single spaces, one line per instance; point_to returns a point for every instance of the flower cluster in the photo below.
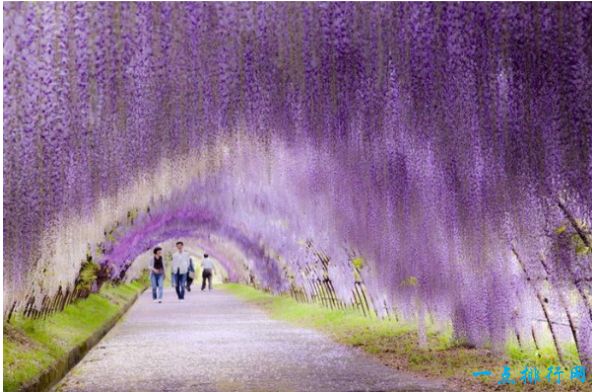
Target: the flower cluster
pixel 441 143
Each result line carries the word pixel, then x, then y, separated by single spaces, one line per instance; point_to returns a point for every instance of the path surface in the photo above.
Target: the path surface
pixel 215 342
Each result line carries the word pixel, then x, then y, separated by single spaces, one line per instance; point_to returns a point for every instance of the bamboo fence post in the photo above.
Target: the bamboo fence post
pixel 56 300
pixel 359 301
pixel 322 292
pixel 9 316
pixel 44 306
pixel 543 306
pixel 64 299
pixel 534 339
pixel 330 292
pixel 339 304
pixel 363 290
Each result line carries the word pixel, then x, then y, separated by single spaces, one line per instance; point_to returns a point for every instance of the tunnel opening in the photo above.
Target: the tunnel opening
pixel 423 161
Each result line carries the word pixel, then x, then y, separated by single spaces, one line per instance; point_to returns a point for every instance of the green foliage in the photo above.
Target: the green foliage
pixel 560 229
pixel 579 244
pixel 132 214
pixel 32 346
pixel 581 248
pixel 358 262
pixel 88 275
pixel 410 281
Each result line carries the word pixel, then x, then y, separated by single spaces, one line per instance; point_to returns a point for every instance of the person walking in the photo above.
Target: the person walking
pixel 179 268
pixel 190 274
pixel 157 275
pixel 207 270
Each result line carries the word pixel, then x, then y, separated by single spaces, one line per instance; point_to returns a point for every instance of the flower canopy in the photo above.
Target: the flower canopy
pixel 444 144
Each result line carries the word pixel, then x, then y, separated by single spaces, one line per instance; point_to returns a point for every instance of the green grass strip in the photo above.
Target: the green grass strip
pixel 32 346
pixel 395 344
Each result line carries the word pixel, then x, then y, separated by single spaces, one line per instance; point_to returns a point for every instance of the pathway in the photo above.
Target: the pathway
pixel 215 342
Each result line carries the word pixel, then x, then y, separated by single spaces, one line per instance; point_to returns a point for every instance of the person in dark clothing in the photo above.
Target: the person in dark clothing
pixel 157 275
pixel 207 269
pixel 190 274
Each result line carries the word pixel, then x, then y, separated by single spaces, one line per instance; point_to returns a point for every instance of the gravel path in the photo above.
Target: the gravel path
pixel 215 342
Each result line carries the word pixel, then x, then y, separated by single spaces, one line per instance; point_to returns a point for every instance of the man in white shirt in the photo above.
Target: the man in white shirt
pixel 207 269
pixel 179 270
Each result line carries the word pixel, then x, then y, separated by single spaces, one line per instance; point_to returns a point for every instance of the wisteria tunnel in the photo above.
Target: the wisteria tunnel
pixel 437 156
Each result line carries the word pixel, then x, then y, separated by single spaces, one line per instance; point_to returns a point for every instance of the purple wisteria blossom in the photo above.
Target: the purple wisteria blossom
pixel 448 146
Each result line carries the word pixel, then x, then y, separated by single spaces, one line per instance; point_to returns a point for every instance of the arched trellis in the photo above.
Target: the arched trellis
pixel 149 229
pixel 425 135
pixel 155 228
